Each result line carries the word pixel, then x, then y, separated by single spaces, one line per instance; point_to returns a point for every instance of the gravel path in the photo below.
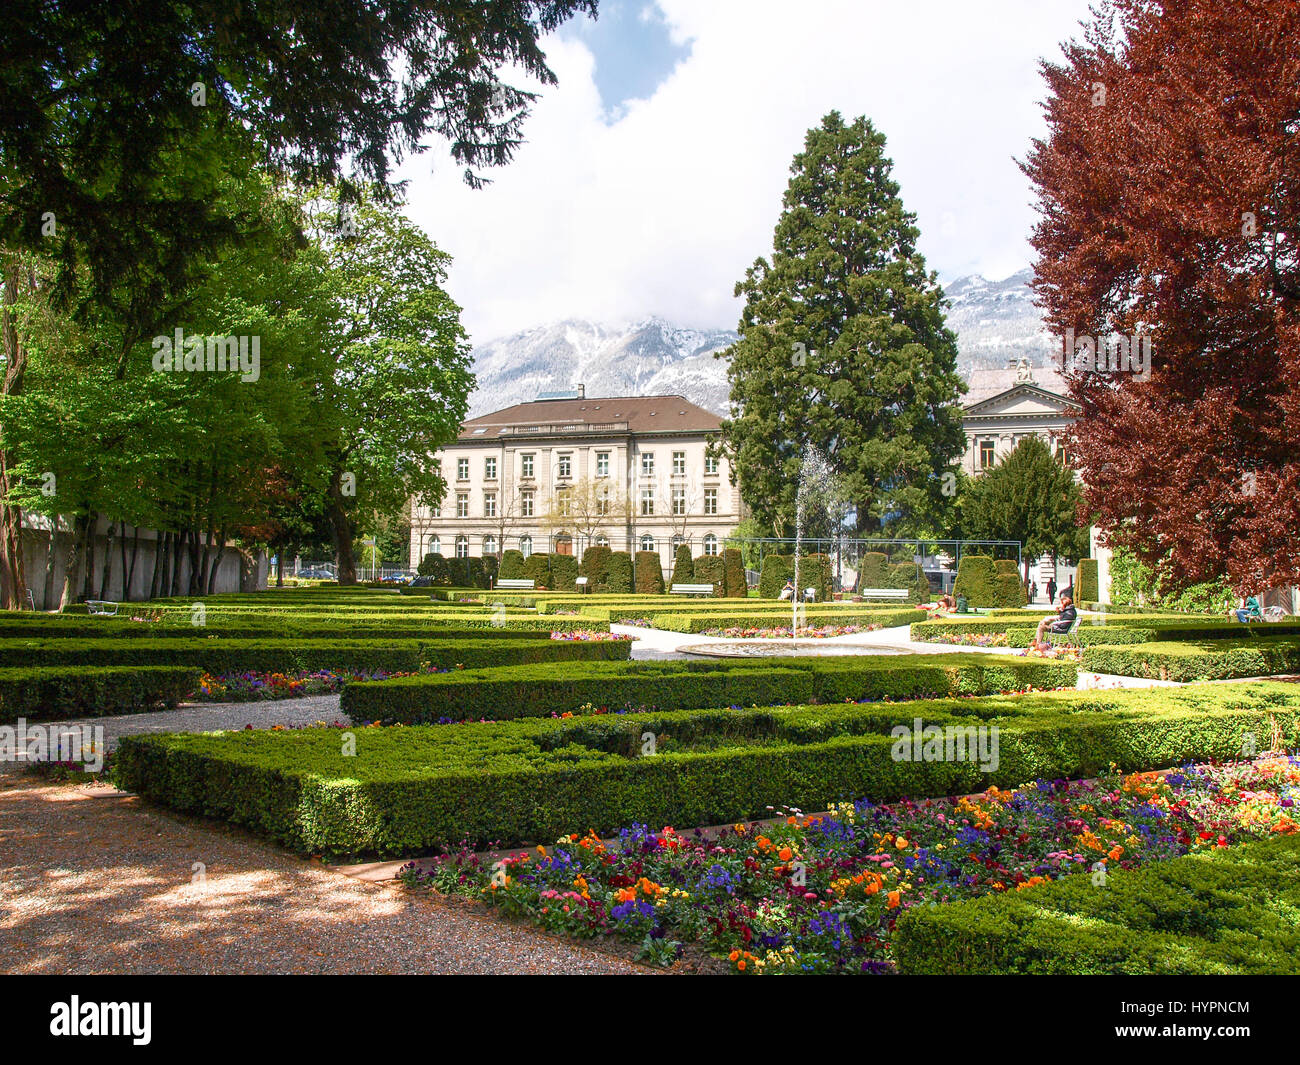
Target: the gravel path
pixel 94 881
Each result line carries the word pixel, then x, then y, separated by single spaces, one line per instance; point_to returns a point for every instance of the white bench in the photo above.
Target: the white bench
pixel 1067 638
pixel 102 606
pixel 517 584
pixel 691 589
pixel 884 593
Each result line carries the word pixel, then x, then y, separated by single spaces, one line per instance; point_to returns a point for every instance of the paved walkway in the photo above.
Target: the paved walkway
pixel 95 881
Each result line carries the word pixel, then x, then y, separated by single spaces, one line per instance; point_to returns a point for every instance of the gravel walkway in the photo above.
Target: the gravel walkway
pixel 94 881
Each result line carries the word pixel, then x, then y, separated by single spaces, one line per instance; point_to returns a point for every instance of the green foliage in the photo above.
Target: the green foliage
pixel 777 569
pixel 595 565
pixel 1134 584
pixel 843 345
pixel 694 620
pixel 619 572
pixel 683 567
pixel 750 529
pixel 537 568
pixel 407 790
pixel 1009 589
pixel 564 572
pixel 1221 911
pixel 1085 584
pixel 60 692
pixel 512 565
pixel 649 573
pixel 1198 660
pixel 975 581
pixel 737 587
pixel 710 569
pixel 873 571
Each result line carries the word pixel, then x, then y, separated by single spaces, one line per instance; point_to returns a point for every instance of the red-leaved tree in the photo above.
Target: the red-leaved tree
pixel 1168 188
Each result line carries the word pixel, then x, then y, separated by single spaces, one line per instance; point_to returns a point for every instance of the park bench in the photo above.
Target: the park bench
pixel 516 584
pixel 102 606
pixel 884 593
pixel 691 589
pixel 1067 638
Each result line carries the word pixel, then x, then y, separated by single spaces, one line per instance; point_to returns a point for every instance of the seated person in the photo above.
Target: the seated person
pixel 788 591
pixel 1059 624
pixel 945 605
pixel 1249 610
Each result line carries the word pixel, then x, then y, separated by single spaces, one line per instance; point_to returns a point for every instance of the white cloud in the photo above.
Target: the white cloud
pixel 661 211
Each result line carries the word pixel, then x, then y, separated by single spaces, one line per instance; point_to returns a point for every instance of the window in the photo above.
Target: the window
pixel 710 464
pixel 435 511
pixel 602 463
pixel 986 454
pixel 564 467
pixel 525 545
pixel 435 546
pixel 710 501
pixel 462 547
pixel 679 500
pixel 602 541
pixel 710 544
pixel 489 504
pixel 603 503
pixel 462 504
pixel 489 546
pixel 647 502
pixel 564 502
pixel 526 504
pixel 462 469
pixel 525 465
pixel 647 463
pixel 679 463
pixel 490 468
pixel 647 543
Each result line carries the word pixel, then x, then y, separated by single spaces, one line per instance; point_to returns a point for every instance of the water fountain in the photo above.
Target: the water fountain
pixel 816 489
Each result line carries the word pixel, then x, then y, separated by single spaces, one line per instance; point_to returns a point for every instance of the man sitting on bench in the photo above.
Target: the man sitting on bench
pixel 1249 610
pixel 1059 624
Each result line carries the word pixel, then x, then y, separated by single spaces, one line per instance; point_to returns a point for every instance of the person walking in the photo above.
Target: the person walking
pixel 1051 589
pixel 1033 591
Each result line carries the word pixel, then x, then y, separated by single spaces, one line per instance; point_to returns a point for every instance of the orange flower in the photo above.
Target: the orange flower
pixel 893 898
pixel 785 854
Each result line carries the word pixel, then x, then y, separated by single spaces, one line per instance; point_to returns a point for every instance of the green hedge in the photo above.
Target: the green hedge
pixel 537 568
pixel 683 566
pixel 776 570
pixel 1227 910
pixel 975 581
pixel 873 571
pixel 60 692
pixel 1086 582
pixel 1197 661
pixel 508 693
pixel 479 624
pixel 649 573
pixel 710 569
pixel 512 565
pixel 733 565
pixel 237 656
pixel 413 789
pixel 595 565
pixel 564 572
pixel 619 572
pixel 1117 629
pixel 704 621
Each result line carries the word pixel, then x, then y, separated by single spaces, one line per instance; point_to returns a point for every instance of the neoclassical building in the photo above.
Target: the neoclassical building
pixel 566 471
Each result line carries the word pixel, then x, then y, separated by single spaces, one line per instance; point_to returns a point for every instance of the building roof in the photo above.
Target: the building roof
pixel 985 384
pixel 559 417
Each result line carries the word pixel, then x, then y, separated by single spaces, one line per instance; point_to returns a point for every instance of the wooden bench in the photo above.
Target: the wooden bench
pixel 884 593
pixel 102 607
pixel 516 584
pixel 691 589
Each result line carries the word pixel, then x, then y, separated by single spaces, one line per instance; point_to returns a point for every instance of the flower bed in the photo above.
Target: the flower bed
pixel 819 632
pixel 820 894
pixel 253 686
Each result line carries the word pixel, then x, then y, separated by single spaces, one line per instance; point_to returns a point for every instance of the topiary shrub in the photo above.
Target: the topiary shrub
pixel 734 566
pixel 1008 590
pixel 1086 583
pixel 537 568
pixel 512 566
pixel 473 572
pixel 618 578
pixel 435 566
pixel 873 572
pixel 564 571
pixel 777 569
pixel 975 580
pixel 491 565
pixel 815 572
pixel 595 565
pixel 910 576
pixel 709 569
pixel 683 566
pixel 649 573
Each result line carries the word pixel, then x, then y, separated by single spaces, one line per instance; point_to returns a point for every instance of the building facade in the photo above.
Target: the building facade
pixel 560 474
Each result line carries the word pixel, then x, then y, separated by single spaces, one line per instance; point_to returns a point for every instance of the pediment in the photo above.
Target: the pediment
pixel 1025 400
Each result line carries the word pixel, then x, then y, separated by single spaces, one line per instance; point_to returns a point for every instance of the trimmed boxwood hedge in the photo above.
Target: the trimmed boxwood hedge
pixel 649 573
pixel 1187 661
pixel 975 581
pixel 414 789
pixel 1020 625
pixel 692 622
pixel 1086 583
pixel 237 656
pixel 734 566
pixel 618 572
pixel 1226 910
pixel 513 692
pixel 60 692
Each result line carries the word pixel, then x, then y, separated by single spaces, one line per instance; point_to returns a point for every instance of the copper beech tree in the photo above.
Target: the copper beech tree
pixel 1168 187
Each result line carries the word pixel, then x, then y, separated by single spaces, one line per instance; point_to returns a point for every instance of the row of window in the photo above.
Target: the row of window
pixel 564 465
pixel 988 454
pixel 490 544
pixel 564 503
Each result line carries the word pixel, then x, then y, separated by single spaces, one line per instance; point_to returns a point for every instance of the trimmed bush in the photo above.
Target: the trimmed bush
pixel 1008 591
pixel 595 565
pixel 60 692
pixel 435 566
pixel 537 568
pixel 734 568
pixel 414 789
pixel 619 573
pixel 873 572
pixel 1086 584
pixel 1228 910
pixel 772 577
pixel 710 569
pixel 649 573
pixel 512 565
pixel 975 580
pixel 681 621
pixel 1186 661
pixel 683 565
pixel 564 572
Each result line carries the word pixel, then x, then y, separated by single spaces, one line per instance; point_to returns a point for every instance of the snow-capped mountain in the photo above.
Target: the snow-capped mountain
pixel 995 322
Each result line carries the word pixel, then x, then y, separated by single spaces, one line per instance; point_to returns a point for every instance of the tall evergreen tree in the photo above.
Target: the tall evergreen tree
pixel 843 344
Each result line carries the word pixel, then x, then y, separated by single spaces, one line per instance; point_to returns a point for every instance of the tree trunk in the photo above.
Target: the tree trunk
pixel 178 546
pixel 135 554
pixel 88 556
pixel 216 560
pixel 74 563
pixel 341 533
pixel 159 557
pixel 51 555
pixel 106 578
pixel 13 584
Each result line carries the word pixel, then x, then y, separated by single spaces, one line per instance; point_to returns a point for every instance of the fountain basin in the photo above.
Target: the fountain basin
pixel 786 649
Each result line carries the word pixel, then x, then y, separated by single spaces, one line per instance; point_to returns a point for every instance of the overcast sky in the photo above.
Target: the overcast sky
pixel 653 172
